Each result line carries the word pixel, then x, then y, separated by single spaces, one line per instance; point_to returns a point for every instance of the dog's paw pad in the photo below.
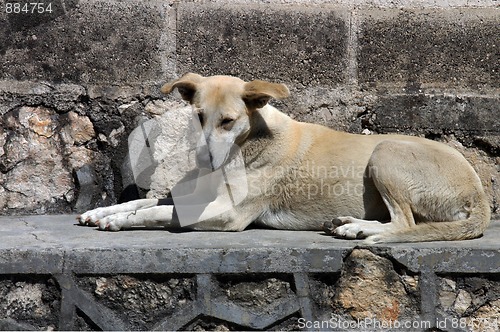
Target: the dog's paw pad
pixel 329 227
pixel 349 231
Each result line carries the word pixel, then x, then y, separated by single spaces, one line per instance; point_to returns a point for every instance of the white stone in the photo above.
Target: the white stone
pixel 462 302
pixel 171 150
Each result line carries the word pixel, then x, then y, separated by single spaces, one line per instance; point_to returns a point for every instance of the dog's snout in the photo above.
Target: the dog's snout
pixel 204 158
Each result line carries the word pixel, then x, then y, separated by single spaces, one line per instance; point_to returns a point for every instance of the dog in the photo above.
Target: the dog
pixel 303 176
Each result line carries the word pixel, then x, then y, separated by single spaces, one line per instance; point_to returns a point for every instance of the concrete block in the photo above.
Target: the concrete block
pixel 440 48
pixel 437 114
pixel 306 45
pixel 87 42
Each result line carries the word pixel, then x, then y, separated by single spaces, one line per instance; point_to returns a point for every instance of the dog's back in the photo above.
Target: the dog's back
pixel 319 174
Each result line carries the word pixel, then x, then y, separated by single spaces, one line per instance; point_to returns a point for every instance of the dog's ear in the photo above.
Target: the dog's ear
pixel 257 93
pixel 186 85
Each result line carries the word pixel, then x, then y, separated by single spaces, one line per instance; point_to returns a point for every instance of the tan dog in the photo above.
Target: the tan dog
pixel 299 176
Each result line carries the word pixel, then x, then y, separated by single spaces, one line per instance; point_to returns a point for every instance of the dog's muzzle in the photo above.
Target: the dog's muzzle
pixel 203 157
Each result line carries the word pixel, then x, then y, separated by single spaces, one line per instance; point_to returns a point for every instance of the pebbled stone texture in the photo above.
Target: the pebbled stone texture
pixel 414 49
pixel 289 44
pixel 86 41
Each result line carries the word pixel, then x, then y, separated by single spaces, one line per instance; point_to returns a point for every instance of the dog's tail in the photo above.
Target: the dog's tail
pixel 465 229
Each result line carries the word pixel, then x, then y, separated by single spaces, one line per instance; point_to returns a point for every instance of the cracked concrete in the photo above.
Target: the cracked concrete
pixel 52 239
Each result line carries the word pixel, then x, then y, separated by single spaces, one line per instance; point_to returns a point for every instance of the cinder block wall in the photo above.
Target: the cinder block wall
pixel 75 82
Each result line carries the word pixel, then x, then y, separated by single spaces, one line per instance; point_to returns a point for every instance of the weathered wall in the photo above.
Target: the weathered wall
pixel 75 82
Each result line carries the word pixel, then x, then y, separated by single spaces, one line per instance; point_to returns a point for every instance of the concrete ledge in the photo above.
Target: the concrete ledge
pixel 66 276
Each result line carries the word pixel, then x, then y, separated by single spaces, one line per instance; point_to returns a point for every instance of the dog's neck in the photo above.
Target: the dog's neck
pixel 267 125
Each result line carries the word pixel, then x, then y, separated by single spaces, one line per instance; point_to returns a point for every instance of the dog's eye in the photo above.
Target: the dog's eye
pixel 227 123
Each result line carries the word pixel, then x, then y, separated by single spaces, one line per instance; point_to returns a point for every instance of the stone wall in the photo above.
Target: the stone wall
pixel 76 81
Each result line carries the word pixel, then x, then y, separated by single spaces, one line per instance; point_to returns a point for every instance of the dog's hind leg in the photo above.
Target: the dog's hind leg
pixel 354 228
pixel 428 182
pixel 390 181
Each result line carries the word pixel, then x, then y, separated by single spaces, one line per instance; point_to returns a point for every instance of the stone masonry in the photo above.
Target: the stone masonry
pixel 56 274
pixel 75 82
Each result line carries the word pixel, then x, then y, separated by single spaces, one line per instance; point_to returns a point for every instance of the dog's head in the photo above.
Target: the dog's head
pixel 224 106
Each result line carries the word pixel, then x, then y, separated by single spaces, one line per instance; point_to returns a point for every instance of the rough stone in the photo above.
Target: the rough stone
pixel 28 149
pixel 31 190
pixel 172 149
pixel 256 41
pixel 88 189
pixel 40 151
pixel 416 49
pixel 29 303
pixel 486 318
pixel 255 291
pixel 369 287
pixel 462 302
pixel 158 107
pixel 37 119
pixel 323 289
pixel 141 301
pixel 78 130
pixel 473 302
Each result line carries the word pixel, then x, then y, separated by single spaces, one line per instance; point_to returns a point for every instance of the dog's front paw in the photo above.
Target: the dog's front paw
pixel 114 222
pixel 91 218
pixel 330 227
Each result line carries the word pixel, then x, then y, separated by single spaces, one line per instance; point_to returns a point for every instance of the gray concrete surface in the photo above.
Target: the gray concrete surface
pixel 56 244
